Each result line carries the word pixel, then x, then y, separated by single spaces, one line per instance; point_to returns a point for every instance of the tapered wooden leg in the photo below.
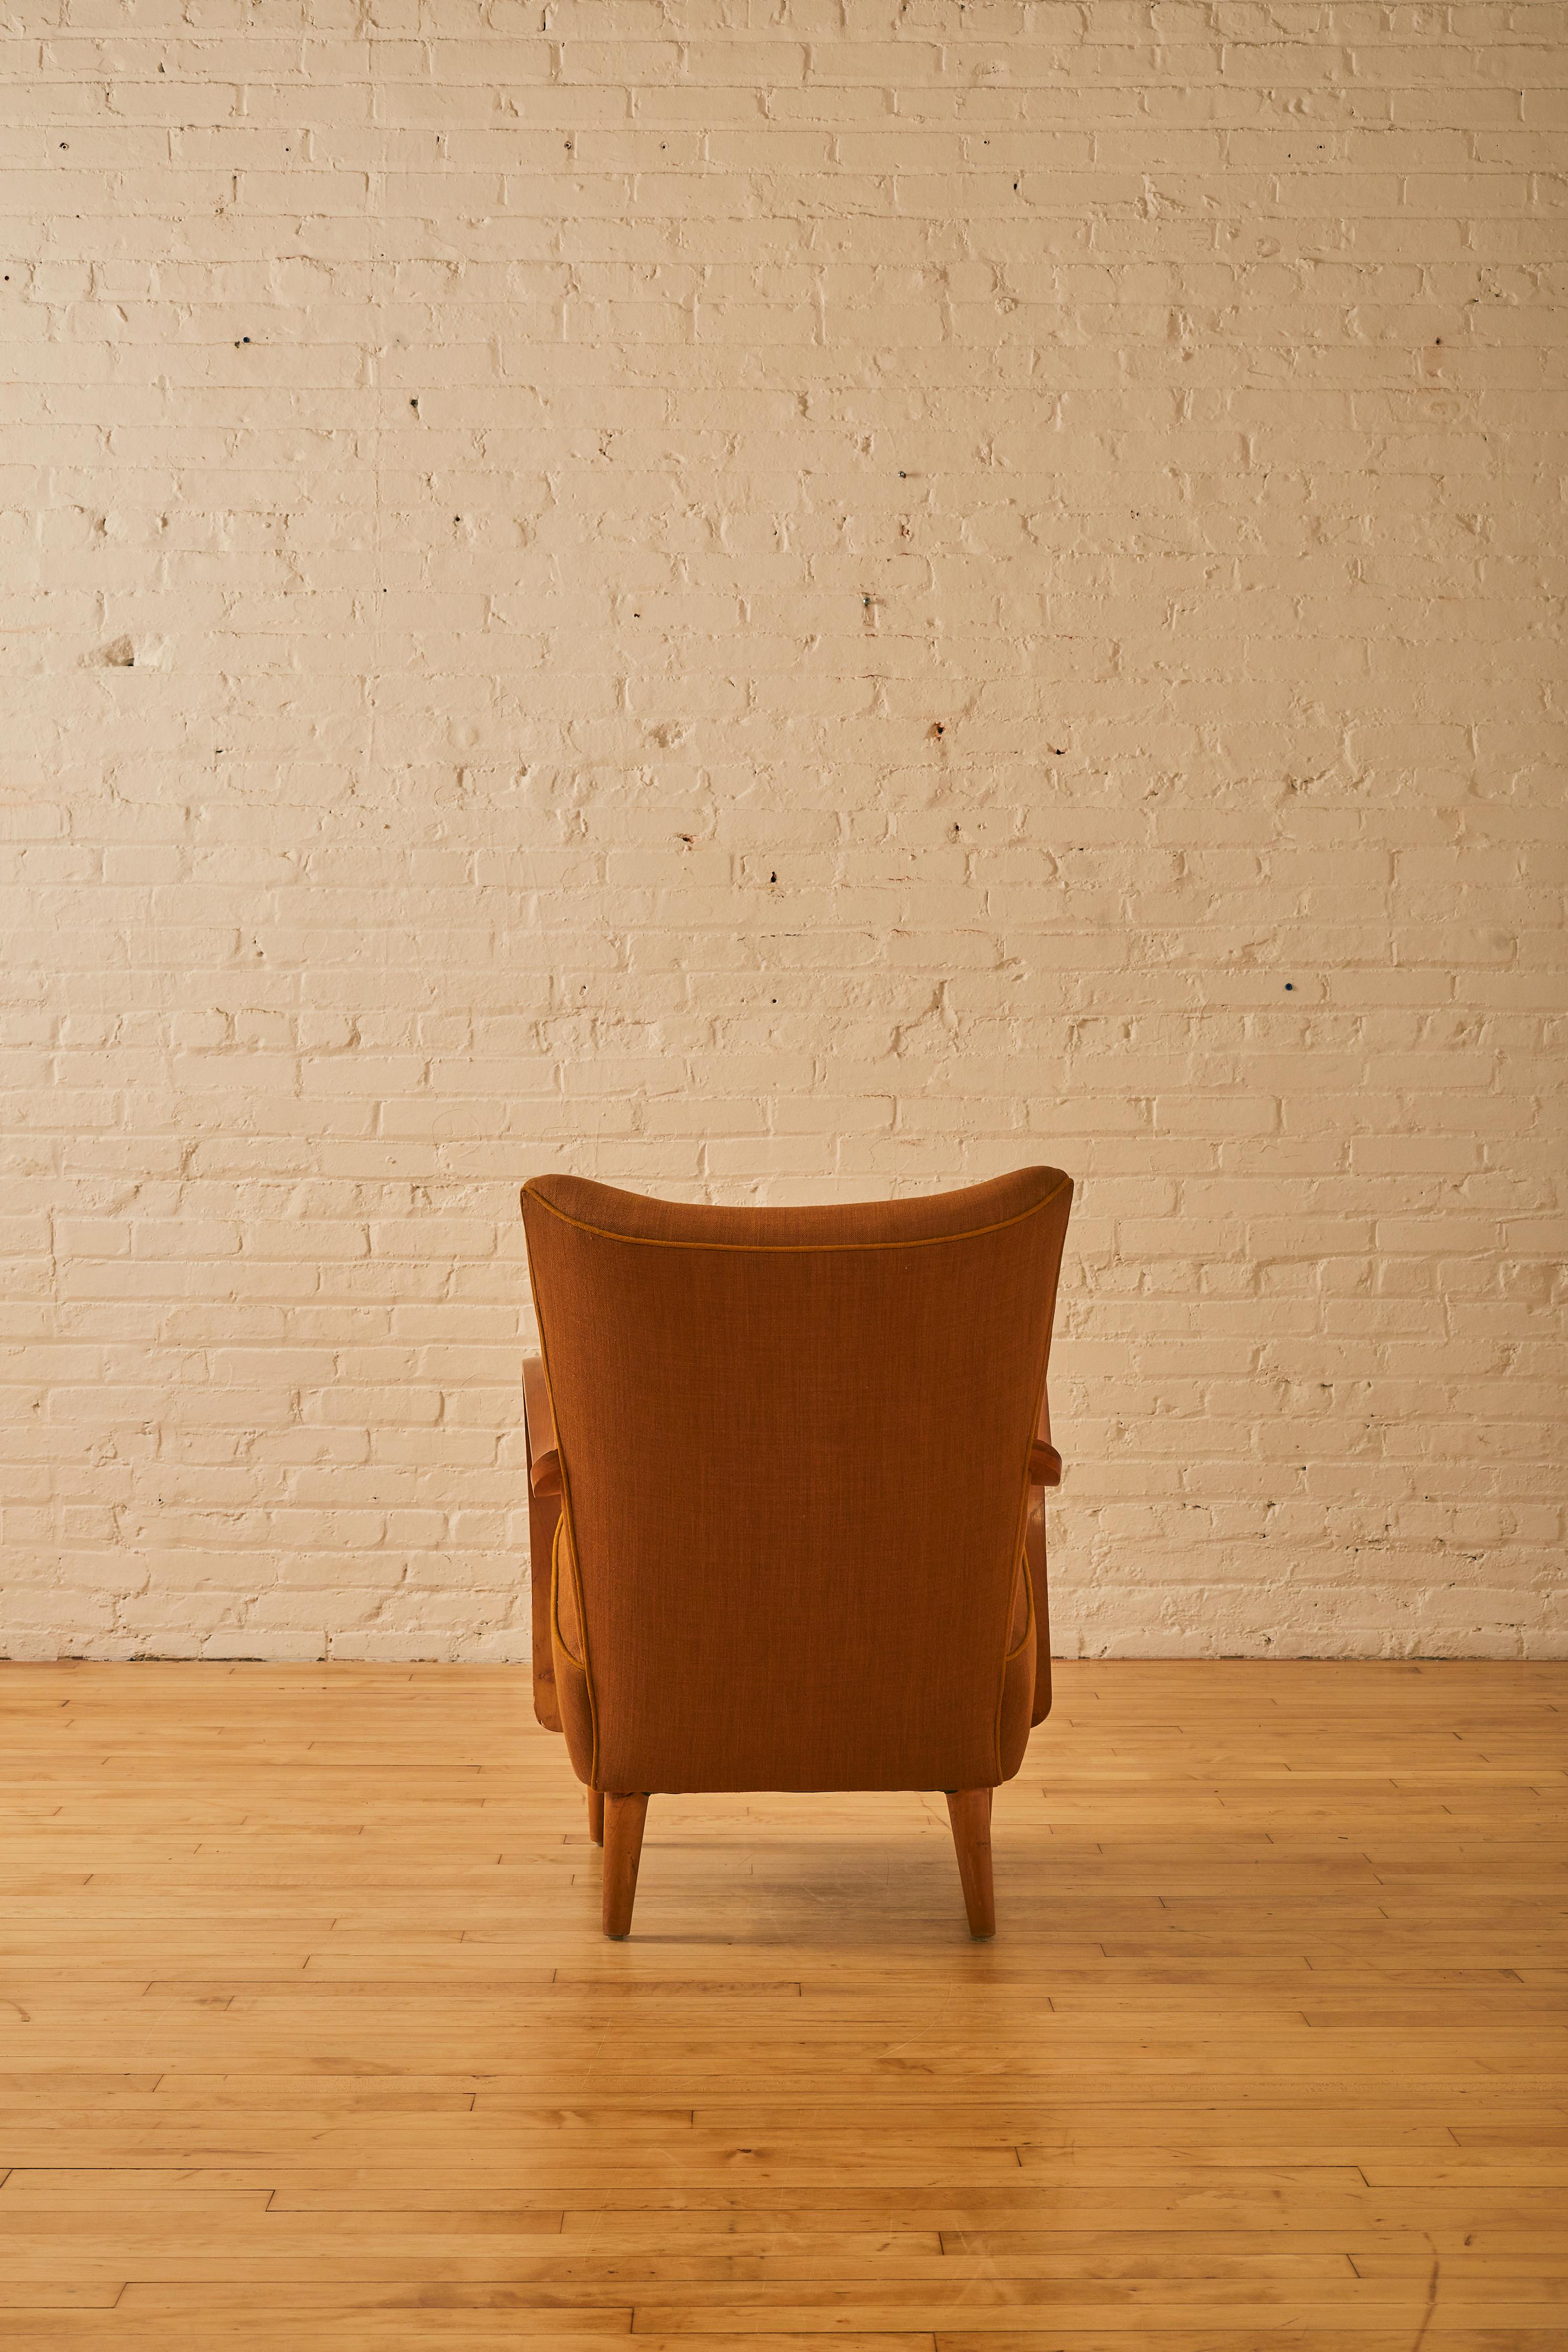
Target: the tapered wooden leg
pixel 623 1820
pixel 970 1812
pixel 596 1815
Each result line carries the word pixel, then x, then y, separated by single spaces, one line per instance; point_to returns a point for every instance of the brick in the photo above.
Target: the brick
pixel 1067 504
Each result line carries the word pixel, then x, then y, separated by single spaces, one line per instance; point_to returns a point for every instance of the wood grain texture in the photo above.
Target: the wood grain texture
pixel 308 2036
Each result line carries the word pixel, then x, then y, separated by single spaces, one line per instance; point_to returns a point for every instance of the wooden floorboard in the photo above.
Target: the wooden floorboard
pixel 308 2036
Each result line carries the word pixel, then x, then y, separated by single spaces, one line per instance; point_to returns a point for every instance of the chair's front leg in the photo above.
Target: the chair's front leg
pixel 623 1820
pixel 970 1809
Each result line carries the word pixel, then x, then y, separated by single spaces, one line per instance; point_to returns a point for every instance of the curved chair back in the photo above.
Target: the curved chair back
pixel 795 1449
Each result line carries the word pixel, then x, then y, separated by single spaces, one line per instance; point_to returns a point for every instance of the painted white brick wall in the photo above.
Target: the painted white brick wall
pixel 771 604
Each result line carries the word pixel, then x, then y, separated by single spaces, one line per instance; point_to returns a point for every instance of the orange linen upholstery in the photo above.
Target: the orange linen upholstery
pixel 796 1453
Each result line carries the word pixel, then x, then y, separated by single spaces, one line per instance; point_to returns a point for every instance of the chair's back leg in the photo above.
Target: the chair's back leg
pixel 970 1812
pixel 596 1815
pixel 623 1820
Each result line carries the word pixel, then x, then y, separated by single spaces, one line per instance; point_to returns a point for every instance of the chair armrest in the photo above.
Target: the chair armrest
pixel 538 1429
pixel 1044 1470
pixel 1044 1461
pixel 544 1513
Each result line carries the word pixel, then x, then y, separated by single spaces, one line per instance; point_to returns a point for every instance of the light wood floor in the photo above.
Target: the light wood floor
pixel 308 2036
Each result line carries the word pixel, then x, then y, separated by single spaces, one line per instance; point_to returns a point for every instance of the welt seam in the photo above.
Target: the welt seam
pixel 793 1249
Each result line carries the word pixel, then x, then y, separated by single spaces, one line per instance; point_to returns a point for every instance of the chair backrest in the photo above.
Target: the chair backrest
pixel 795 1448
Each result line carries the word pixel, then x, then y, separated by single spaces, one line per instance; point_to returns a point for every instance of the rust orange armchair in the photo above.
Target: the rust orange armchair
pixel 786 1472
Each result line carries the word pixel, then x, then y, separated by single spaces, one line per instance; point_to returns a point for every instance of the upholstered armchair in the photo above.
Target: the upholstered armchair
pixel 786 1472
